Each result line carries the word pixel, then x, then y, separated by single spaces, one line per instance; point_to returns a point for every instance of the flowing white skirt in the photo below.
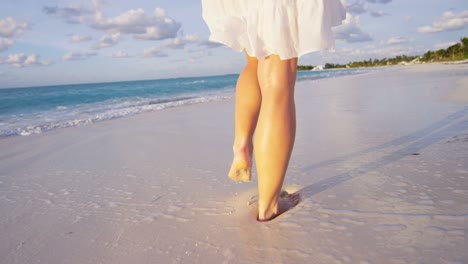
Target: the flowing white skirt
pixel 288 28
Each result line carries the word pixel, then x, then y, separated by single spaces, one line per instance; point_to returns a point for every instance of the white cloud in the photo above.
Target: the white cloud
pixel 350 30
pixel 22 60
pixel 132 21
pixel 79 38
pixel 159 32
pixel 175 43
pixel 361 6
pixel 120 54
pixel 98 4
pixel 159 12
pixel 108 41
pixel 9 28
pixel 5 43
pixel 356 8
pixel 154 52
pixel 72 14
pixel 156 26
pixel 444 45
pixel 397 40
pixel 136 22
pixel 180 42
pixel 448 21
pixel 78 55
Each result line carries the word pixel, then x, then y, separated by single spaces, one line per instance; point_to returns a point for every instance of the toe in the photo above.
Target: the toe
pixel 294 198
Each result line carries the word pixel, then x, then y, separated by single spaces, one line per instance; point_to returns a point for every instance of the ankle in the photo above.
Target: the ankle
pixel 267 212
pixel 244 147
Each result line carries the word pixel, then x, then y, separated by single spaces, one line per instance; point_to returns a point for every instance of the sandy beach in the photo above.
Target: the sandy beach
pixel 380 160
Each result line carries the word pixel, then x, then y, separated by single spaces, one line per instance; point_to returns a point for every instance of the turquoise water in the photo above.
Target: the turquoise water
pixel 26 111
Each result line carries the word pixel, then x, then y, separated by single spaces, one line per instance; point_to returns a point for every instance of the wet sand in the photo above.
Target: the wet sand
pixel 380 161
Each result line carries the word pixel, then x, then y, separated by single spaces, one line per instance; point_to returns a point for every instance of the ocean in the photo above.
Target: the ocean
pixel 33 110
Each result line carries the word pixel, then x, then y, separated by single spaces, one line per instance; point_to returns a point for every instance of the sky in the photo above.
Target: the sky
pixel 46 42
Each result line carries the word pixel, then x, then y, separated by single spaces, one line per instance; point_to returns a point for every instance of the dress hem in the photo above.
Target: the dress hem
pixel 252 54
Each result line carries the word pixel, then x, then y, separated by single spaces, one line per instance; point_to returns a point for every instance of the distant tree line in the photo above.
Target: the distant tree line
pixel 458 51
pixel 305 67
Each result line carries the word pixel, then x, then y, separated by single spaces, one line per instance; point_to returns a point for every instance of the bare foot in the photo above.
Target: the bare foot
pixel 286 202
pixel 241 165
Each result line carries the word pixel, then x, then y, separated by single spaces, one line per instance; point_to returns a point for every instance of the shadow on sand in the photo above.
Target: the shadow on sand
pixel 450 126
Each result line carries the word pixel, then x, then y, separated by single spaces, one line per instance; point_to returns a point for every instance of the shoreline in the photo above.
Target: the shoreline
pixel 380 162
pixel 77 105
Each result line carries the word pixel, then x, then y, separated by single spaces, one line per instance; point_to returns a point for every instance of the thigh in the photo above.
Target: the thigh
pixel 274 72
pixel 250 59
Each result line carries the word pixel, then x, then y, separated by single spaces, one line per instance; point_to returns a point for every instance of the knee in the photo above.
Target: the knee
pixel 277 78
pixel 278 88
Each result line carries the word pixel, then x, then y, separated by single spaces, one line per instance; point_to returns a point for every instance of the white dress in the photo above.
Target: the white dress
pixel 288 28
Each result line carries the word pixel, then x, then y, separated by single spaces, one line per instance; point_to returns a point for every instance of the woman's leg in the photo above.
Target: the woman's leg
pixel 275 134
pixel 248 100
